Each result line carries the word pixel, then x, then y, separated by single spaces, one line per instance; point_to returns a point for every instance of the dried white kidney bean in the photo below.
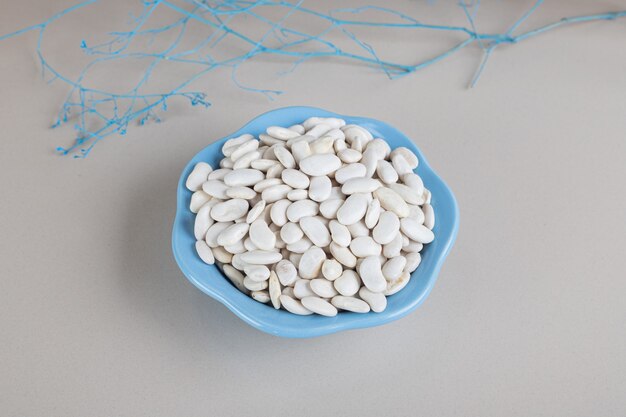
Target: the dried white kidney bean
pixel 278 212
pixel 412 261
pixel 387 228
pixel 295 178
pixel 261 235
pixel 330 207
pixel 274 290
pixel 203 221
pixel 390 200
pixel 377 301
pixel 416 231
pixel 291 233
pixel 323 288
pixel 214 231
pixel 373 213
pixel 331 269
pixel 353 209
pixel 317 217
pixel 429 216
pixel 408 156
pixel 350 304
pixel 372 275
pixel 198 199
pixel 294 306
pixel 257 272
pixel 198 176
pixel 204 252
pixel 339 233
pixel 286 272
pixel 300 209
pixel 397 284
pixel 255 211
pixel 315 230
pixel 302 288
pixel 311 262
pixel 348 283
pixel 320 164
pixel 260 296
pixel 232 234
pixel 319 306
pixel 320 188
pixel 229 210
pixel 394 267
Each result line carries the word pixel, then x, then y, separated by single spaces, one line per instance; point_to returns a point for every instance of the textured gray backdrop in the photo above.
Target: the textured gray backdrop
pixel 527 317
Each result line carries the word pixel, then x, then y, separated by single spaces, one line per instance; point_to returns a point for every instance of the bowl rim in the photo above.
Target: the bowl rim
pixel 240 304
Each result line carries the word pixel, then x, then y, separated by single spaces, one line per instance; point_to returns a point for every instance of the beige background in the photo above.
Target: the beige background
pixel 527 318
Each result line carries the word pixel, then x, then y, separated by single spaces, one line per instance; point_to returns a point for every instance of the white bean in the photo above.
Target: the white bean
pixel 219 174
pixel 241 192
pixel 373 214
pixel 407 193
pixel 397 284
pixel 315 230
pixel 429 216
pixel 274 290
pixel 198 199
pixel 390 200
pixel 319 306
pixel 343 255
pixel 408 156
pixel 348 283
pixel 331 269
pixel 330 207
pixel 204 252
pixel 244 148
pixel 387 228
pixel 350 171
pixel 261 257
pixel 260 296
pixel 293 306
pixel 376 301
pixel 275 193
pixel 353 209
pixel 281 133
pixel 257 272
pixel 198 176
pixel 323 288
pixel 320 164
pixel 311 262
pixel 295 178
pixel 372 275
pixel 255 211
pixel 394 267
pixel 261 235
pixel 365 246
pixel 232 234
pixel 350 304
pixel 203 221
pixel 340 233
pixel 386 172
pixel 291 233
pixel 300 209
pixel 320 188
pixel 286 272
pixel 416 231
pixel 229 210
pixel 243 177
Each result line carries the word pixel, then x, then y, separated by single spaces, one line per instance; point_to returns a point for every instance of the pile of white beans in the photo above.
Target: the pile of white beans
pixel 314 218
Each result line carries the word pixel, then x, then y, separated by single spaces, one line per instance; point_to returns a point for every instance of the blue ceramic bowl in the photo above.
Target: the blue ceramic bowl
pixel 210 279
